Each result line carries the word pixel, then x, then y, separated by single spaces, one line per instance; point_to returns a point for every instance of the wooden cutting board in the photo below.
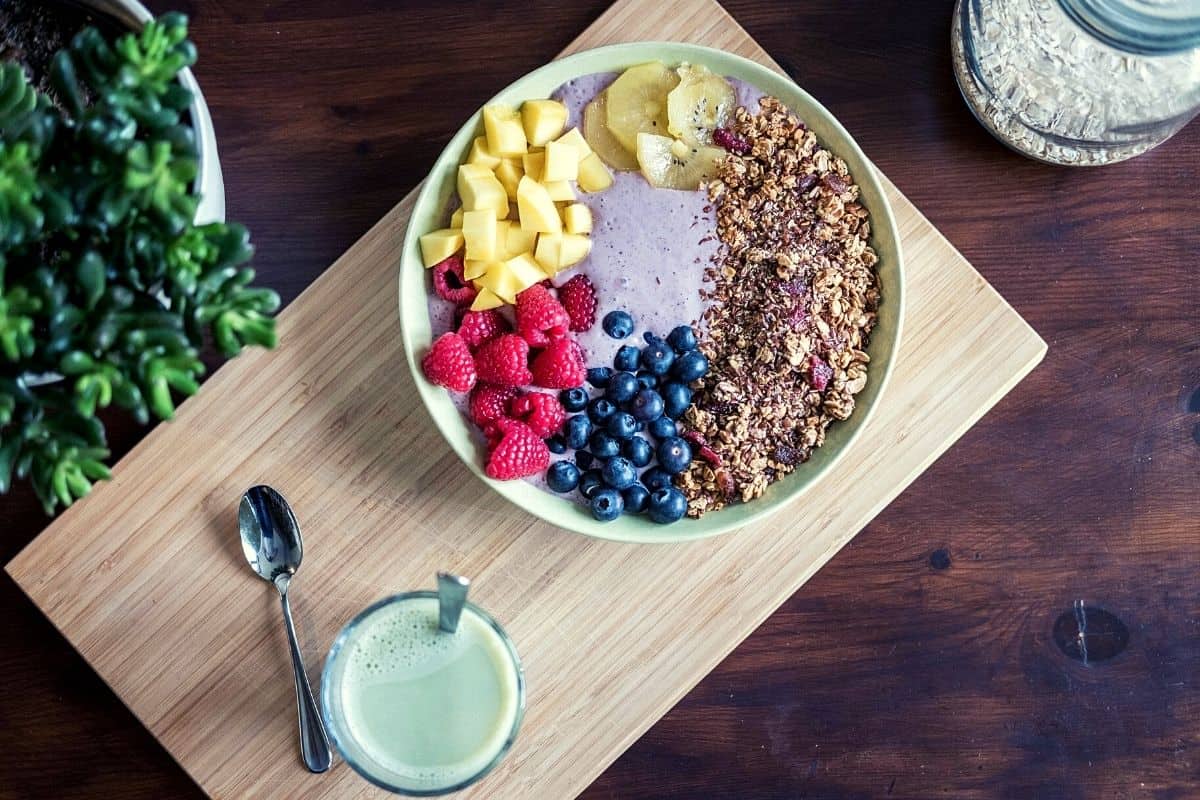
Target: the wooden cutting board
pixel 146 579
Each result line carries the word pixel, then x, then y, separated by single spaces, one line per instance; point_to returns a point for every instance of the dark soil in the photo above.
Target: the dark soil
pixel 32 31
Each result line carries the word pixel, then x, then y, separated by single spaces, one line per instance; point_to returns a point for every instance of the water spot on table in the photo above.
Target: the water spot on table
pixel 940 558
pixel 1089 634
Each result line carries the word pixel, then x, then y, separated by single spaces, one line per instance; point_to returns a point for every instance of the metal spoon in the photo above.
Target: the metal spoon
pixel 271 542
pixel 452 595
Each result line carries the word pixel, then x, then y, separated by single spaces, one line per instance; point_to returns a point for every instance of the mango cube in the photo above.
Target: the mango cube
pixel 474 269
pixel 548 252
pixel 525 271
pixel 593 175
pixel 559 191
pixel 543 120
pixel 500 280
pixel 481 155
pixel 505 135
pixel 533 163
pixel 575 248
pixel 456 218
pixel 519 241
pixel 575 138
pixel 509 172
pixel 562 162
pixel 479 232
pixel 479 189
pixel 537 210
pixel 577 218
pixel 437 246
pixel 486 299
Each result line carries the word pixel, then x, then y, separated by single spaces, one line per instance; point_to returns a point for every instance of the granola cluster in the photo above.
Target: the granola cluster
pixel 794 296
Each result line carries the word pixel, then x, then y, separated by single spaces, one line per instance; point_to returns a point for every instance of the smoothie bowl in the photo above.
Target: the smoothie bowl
pixel 651 292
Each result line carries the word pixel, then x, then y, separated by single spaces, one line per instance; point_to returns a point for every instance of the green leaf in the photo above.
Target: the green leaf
pixel 90 274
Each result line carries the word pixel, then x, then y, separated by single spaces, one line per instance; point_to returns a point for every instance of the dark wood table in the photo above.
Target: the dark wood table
pixel 936 656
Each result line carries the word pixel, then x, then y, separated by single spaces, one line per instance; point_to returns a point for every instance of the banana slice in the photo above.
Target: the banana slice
pixel 637 102
pixel 595 130
pixel 700 103
pixel 674 164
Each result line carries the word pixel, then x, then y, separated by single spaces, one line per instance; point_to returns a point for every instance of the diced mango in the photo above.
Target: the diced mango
pixel 502 227
pixel 519 241
pixel 456 218
pixel 543 120
pixel 537 209
pixel 486 299
pixel 575 138
pixel 559 191
pixel 509 172
pixel 475 269
pixel 479 232
pixel 505 135
pixel 533 163
pixel 548 252
pixel 577 218
pixel 500 280
pixel 525 271
pixel 479 189
pixel 575 248
pixel 437 246
pixel 481 155
pixel 593 175
pixel 562 163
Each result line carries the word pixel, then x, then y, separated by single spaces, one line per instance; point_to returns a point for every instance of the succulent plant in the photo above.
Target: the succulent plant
pixel 105 279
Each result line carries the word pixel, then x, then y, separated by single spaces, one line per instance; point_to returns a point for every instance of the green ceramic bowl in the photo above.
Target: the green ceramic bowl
pixel 440 185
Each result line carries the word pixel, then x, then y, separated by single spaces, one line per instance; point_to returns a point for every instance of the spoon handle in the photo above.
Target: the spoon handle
pixel 314 742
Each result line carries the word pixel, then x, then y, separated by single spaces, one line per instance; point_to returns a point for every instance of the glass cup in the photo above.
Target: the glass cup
pixel 418 711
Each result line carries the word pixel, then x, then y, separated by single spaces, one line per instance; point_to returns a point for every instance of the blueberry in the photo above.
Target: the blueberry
pixel 556 445
pixel 604 446
pixel 647 405
pixel 622 387
pixel 590 482
pixel 647 380
pixel 618 324
pixel 674 454
pixel 577 430
pixel 598 376
pixel 641 426
pixel 657 357
pixel 663 428
pixel 607 505
pixel 627 358
pixel 656 478
pixel 690 366
pixel 618 472
pixel 636 498
pixel 638 450
pixel 573 399
pixel 584 459
pixel 667 505
pixel 600 409
pixel 649 336
pixel 682 339
pixel 621 425
pixel 563 476
pixel 676 399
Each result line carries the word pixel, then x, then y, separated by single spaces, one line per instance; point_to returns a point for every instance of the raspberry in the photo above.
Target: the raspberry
pixel 731 141
pixel 578 297
pixel 448 363
pixel 819 373
pixel 559 366
pixel 450 282
pixel 504 361
pixel 489 403
pixel 540 318
pixel 518 453
pixel 478 327
pixel 541 412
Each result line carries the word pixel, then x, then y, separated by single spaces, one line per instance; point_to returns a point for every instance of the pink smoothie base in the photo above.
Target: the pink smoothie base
pixel 650 250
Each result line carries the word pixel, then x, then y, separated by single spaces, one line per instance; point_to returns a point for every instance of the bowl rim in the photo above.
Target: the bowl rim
pixel 564 513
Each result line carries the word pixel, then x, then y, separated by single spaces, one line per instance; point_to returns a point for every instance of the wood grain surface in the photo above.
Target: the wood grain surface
pixel 923 660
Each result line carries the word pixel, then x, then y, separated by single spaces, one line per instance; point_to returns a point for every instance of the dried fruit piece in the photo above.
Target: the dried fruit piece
pixel 819 373
pixel 726 138
pixel 448 363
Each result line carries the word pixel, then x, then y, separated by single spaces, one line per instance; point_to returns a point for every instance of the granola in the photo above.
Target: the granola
pixel 793 300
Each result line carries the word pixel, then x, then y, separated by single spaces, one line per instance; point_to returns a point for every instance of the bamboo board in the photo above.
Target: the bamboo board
pixel 147 581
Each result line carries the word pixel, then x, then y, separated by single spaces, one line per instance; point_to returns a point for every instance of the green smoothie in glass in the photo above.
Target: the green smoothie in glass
pixel 417 710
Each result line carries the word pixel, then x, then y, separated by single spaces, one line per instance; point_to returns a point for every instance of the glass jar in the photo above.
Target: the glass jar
pixel 1079 82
